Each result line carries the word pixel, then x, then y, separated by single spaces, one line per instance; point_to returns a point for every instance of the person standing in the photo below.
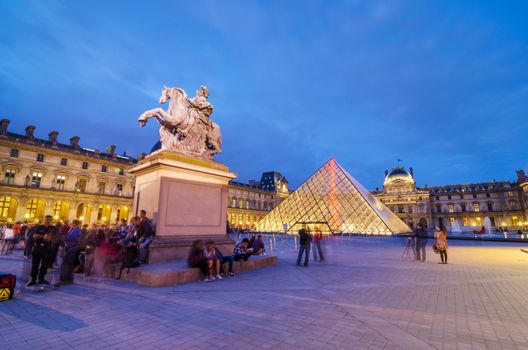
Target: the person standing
pixel 441 243
pixel 421 242
pixel 72 243
pixel 304 246
pixel 42 236
pixel 145 231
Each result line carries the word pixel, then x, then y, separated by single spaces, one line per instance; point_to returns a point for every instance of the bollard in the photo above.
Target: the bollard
pixel 295 243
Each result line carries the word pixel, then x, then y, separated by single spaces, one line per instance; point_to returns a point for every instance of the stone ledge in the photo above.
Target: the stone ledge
pixel 172 273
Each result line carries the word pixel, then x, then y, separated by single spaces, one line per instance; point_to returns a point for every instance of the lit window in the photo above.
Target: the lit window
pixel 60 180
pixel 247 204
pixel 233 202
pixel 10 176
pixel 5 207
pixel 452 220
pixel 81 185
pixel 512 204
pixel 14 153
pixel 121 171
pixel 451 208
pixel 57 209
pixel 40 157
pixel 31 209
pixel 476 207
pixel 515 221
pixel 465 220
pixel 35 179
pixel 241 203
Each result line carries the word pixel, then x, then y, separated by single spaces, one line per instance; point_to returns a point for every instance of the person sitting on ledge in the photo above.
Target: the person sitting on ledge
pixel 241 251
pixel 258 246
pixel 197 258
pixel 224 259
pixel 213 263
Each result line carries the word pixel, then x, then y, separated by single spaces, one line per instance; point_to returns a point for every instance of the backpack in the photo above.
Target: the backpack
pixel 7 286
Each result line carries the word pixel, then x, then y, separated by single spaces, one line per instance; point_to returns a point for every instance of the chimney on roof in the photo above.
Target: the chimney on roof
pixel 386 172
pixel 4 123
pixel 74 142
pixel 411 171
pixel 52 137
pixel 30 129
pixel 141 156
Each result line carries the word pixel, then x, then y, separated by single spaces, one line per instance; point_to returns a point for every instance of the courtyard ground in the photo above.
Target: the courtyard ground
pixel 365 296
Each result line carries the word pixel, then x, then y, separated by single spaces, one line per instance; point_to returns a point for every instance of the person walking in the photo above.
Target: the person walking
pixel 318 237
pixel 72 243
pixel 42 236
pixel 441 244
pixel 304 246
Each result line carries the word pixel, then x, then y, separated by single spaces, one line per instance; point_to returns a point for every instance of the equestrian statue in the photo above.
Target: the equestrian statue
pixel 186 126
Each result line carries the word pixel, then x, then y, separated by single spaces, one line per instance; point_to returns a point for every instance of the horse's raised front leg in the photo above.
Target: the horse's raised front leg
pixel 156 112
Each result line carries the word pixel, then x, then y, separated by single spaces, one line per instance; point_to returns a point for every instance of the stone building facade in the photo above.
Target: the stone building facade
pixel 464 205
pixel 46 177
pixel 248 203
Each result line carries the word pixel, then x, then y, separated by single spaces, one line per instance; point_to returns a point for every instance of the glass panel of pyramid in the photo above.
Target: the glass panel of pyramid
pixel 333 200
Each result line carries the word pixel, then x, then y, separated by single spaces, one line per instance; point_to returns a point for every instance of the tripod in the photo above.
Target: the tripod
pixel 409 252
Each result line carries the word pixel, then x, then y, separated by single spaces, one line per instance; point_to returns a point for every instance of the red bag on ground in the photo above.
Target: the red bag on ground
pixel 7 286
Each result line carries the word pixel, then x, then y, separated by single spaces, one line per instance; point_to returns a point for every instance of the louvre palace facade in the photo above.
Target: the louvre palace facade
pixel 504 203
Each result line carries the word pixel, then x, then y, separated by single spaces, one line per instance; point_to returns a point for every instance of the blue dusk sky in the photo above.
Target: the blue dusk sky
pixel 442 85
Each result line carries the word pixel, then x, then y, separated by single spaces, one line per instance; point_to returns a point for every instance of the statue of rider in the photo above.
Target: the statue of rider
pixel 204 107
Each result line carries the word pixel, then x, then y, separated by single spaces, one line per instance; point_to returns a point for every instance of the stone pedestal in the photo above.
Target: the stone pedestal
pixel 187 199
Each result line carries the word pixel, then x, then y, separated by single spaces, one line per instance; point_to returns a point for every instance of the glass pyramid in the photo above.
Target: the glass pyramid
pixel 334 202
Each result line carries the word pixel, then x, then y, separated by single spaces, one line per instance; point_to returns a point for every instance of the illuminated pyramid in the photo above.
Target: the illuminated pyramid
pixel 332 201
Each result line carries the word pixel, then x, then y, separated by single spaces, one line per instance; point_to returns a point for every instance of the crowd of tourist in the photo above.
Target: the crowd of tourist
pixel 210 260
pixel 83 248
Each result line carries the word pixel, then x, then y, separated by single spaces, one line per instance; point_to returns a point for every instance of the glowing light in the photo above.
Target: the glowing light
pixel 56 217
pixel 81 217
pixel 26 216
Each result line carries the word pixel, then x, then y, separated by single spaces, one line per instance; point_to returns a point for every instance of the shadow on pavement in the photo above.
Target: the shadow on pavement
pixel 43 316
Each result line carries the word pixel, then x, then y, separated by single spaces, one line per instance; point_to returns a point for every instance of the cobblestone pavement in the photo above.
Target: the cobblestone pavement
pixel 365 296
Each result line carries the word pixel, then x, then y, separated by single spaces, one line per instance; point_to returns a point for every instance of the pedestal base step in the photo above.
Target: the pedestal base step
pixel 177 272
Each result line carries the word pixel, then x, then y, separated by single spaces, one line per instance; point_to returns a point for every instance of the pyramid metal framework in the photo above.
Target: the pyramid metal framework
pixel 331 198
